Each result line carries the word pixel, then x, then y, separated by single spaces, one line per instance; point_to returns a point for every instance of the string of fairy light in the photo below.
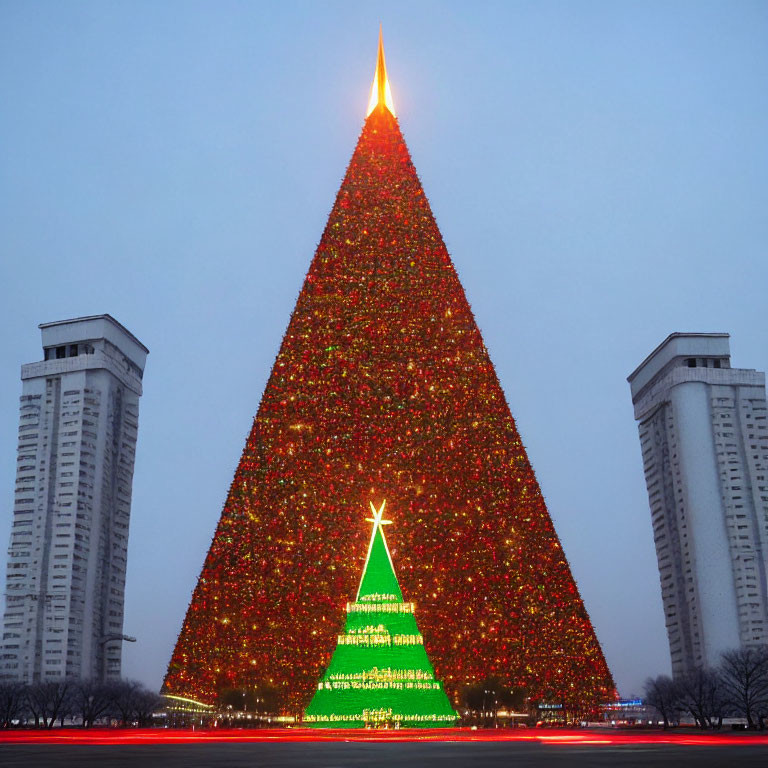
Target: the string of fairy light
pixel 383 388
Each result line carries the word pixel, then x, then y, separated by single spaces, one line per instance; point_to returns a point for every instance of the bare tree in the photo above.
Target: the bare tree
pixel 12 703
pixel 744 672
pixel 132 702
pixel 663 694
pixel 91 700
pixel 145 704
pixel 47 700
pixel 123 694
pixel 702 694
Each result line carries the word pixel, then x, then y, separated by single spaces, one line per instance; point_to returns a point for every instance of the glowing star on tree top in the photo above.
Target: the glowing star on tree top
pixel 375 573
pixel 380 90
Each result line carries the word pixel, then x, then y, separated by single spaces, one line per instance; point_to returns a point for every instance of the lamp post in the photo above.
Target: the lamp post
pixel 103 642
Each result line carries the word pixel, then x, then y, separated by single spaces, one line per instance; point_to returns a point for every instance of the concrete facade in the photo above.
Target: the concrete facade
pixel 704 437
pixel 65 584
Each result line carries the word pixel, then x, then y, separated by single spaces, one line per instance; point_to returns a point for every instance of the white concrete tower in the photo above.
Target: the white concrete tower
pixel 67 556
pixel 704 438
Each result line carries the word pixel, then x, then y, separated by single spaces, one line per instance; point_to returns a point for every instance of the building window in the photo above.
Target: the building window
pixel 61 353
pixel 691 362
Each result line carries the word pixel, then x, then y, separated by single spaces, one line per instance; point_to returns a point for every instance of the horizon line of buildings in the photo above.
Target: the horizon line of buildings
pixel 703 429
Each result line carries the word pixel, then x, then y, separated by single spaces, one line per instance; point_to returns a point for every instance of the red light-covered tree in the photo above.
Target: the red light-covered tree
pixel 383 388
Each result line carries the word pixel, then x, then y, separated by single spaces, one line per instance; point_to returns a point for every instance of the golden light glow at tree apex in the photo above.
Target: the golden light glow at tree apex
pixel 380 90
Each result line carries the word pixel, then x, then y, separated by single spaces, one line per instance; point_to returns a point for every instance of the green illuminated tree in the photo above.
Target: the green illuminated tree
pixel 380 673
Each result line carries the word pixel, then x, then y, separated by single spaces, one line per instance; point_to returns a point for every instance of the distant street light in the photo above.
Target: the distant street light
pixel 108 639
pixel 127 638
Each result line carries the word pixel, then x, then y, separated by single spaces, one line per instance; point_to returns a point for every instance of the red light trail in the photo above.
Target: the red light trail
pixel 561 738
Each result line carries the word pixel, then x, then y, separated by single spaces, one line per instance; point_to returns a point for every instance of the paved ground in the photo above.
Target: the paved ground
pixel 392 755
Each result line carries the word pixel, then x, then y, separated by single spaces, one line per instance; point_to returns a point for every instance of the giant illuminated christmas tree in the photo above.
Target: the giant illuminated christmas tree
pixel 383 388
pixel 379 673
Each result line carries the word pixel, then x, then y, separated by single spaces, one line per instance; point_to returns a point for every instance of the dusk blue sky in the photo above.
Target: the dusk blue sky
pixel 599 171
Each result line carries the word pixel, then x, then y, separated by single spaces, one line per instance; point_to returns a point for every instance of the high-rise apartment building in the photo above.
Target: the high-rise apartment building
pixel 67 557
pixel 704 437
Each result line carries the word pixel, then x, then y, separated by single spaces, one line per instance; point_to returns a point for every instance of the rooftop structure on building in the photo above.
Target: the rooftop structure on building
pixel 704 438
pixel 78 422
